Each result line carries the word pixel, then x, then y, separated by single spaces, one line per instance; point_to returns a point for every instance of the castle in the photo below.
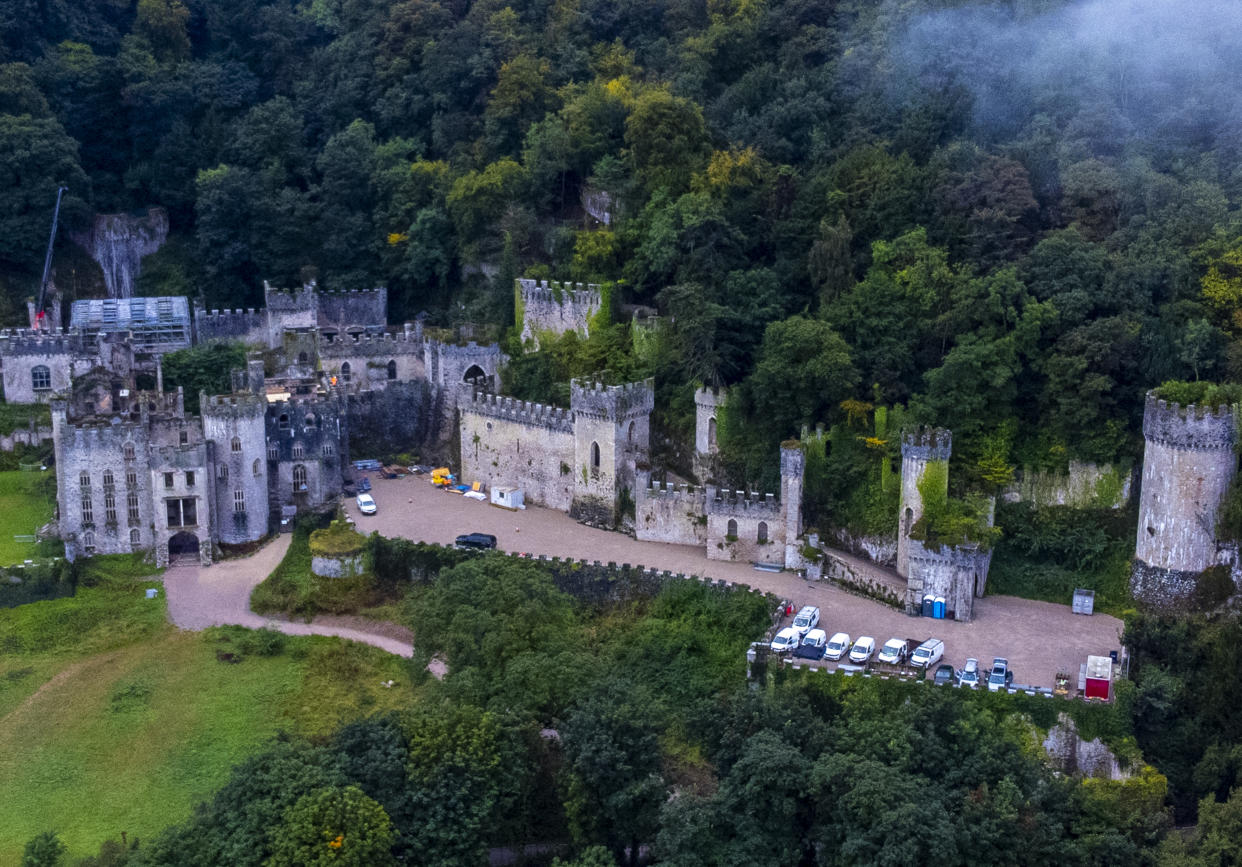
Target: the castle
pixel 136 472
pixel 556 308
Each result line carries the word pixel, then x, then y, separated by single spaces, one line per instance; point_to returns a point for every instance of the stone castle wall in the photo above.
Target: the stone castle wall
pixel 511 442
pixel 556 308
pixel 353 309
pixel 675 514
pixel 919 448
pixel 248 326
pixel 958 574
pixel 236 425
pixel 65 355
pixel 750 517
pixel 1084 485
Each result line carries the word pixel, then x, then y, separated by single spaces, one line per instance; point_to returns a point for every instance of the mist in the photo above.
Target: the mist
pixel 1110 72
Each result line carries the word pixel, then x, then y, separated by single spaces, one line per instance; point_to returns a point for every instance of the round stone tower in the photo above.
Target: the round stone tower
pixel 1188 462
pixel 234 427
pixel 793 469
pixel 919 448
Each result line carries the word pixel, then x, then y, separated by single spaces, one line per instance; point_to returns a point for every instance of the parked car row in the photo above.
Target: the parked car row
pixel 804 640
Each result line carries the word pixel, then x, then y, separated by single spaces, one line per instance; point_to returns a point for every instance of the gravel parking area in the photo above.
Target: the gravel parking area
pixel 1038 638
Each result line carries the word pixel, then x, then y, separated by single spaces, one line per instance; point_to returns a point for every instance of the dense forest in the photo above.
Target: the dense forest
pixel 1011 219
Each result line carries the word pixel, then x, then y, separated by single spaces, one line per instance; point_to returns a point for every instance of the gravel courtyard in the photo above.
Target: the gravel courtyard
pixel 1039 638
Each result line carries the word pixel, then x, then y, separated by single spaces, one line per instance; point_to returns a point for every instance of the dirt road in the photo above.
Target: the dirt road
pixel 1039 638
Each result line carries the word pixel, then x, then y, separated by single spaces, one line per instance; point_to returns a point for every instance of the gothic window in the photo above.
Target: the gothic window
pixel 763 532
pixel 128 450
pixel 84 479
pixel 88 511
pixel 239 502
pixel 273 452
pixel 327 450
pixel 629 434
pixel 257 468
pixel 310 420
pixel 302 358
pixel 732 529
pixel 297 450
pixel 345 371
pixel 110 507
pixel 222 473
pixel 299 478
pixel 908 522
pixel 131 480
pixel 131 502
pixel 595 456
pixel 182 512
pixel 392 370
pixel 135 538
pixel 88 543
pixel 183 437
pixel 284 421
pixel 711 432
pixel 109 482
pixel 236 445
pixel 41 378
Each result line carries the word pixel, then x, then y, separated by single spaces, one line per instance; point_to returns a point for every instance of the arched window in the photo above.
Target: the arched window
pixel 236 445
pixel 732 529
pixel 908 522
pixel 88 542
pixel 109 481
pixel 258 468
pixel 135 538
pixel 328 450
pixel 474 372
pixel 239 502
pixel 392 370
pixel 283 423
pixel 629 434
pixel 84 479
pixel 222 472
pixel 595 456
pixel 128 451
pixel 303 358
pixel 273 452
pixel 310 419
pixel 41 378
pixel 345 371
pixel 299 478
pixel 763 531
pixel 711 432
pixel 297 450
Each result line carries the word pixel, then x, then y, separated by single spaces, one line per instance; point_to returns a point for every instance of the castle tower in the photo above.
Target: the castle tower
pixel 1188 463
pixel 557 308
pixel 612 436
pixel 234 426
pixel 793 467
pixel 707 404
pixel 919 449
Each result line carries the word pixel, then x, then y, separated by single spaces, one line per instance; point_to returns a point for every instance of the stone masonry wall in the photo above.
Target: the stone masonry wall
pixel 556 308
pixel 675 514
pixel 747 513
pixel 1084 485
pixel 511 442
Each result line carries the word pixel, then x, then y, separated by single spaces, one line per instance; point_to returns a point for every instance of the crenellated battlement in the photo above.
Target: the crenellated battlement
pixel 521 411
pixel 290 300
pixel 560 293
pixel 710 397
pixel 233 405
pixel 750 504
pixel 403 343
pixel 612 401
pixel 29 341
pixel 671 491
pixel 927 443
pixel 1189 427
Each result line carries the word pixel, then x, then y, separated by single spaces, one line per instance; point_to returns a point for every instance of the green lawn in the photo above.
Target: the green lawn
pixel 26 505
pixel 112 720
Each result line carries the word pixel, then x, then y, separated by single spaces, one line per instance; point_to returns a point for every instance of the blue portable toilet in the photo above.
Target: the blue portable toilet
pixel 929 605
pixel 938 607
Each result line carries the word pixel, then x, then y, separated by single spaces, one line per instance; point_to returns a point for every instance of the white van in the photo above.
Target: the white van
pixel 806 619
pixel 928 653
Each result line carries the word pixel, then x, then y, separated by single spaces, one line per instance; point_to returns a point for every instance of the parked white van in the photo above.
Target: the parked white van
pixel 928 653
pixel 806 619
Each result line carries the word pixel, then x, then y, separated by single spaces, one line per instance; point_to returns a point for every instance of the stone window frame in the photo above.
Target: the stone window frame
pixel 131 504
pixel 761 534
pixel 41 377
pixel 183 437
pixel 392 370
pixel 169 480
pixel 273 452
pixel 239 502
pixel 731 529
pixel 222 472
pixel 283 421
pixel 189 478
pixel 127 451
pixel 236 445
pixel 109 507
pixel 346 371
pixel 298 451
pixel 328 451
pixel 181 521
pixel 135 537
pixel 257 468
pixel 84 480
pixel 88 542
pixel 108 480
pixel 299 478
pixel 88 508
pixel 131 479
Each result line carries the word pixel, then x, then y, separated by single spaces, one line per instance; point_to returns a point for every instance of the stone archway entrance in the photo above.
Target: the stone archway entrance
pixel 182 548
pixel 474 372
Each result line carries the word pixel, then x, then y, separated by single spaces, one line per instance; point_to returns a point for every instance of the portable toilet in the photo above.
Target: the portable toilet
pixel 929 605
pixel 508 498
pixel 938 607
pixel 1099 678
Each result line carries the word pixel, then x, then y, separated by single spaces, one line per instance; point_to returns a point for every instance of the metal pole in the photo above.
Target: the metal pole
pixel 47 259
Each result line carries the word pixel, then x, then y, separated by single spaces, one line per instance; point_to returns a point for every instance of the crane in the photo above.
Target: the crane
pixel 47 259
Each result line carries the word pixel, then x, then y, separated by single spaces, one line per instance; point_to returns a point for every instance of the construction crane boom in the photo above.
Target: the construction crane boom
pixel 47 259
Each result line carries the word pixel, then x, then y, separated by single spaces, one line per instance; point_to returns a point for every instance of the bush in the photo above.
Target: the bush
pixel 1206 394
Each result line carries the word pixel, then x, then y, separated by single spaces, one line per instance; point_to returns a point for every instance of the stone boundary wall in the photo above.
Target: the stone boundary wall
pixel 675 514
pixel 249 325
pixel 1084 485
pixel 844 574
pixel 26 437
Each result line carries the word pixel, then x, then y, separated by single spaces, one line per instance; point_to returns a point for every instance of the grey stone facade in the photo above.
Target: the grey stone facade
pixel 918 449
pixel 707 404
pixel 556 308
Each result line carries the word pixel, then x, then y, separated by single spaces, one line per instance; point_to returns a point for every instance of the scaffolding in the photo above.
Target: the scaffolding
pixel 159 324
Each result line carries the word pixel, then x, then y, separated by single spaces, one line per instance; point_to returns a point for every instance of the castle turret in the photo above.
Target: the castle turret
pixel 556 308
pixel 793 467
pixel 919 449
pixel 707 405
pixel 612 435
pixel 235 426
pixel 1188 463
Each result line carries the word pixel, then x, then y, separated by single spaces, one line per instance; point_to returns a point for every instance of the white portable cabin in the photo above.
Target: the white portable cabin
pixel 508 498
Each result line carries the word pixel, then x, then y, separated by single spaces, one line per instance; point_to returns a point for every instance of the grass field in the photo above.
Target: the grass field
pixel 25 507
pixel 112 720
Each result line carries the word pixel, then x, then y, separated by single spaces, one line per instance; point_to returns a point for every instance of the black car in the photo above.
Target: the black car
pixel 812 645
pixel 476 542
pixel 944 675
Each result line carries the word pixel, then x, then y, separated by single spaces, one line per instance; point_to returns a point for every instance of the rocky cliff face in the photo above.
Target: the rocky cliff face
pixel 119 241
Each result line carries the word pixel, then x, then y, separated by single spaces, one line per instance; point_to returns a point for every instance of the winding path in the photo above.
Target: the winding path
pixel 219 595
